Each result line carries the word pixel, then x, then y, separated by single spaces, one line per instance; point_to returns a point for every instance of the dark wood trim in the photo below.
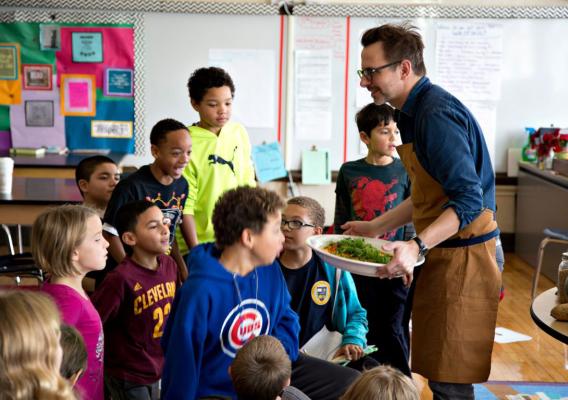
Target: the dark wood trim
pixel 501 178
pixel 508 242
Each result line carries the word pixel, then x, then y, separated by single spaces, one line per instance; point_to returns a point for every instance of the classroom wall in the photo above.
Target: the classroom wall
pixel 178 44
pixel 532 86
pixel 533 82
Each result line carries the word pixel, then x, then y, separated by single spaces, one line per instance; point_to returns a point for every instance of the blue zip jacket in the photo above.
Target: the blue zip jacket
pixel 349 317
pixel 214 314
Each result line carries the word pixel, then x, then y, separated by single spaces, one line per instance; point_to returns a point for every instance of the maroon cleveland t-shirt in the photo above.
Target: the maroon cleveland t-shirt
pixel 134 303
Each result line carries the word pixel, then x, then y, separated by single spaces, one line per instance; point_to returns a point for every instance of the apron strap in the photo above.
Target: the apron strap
pixel 451 243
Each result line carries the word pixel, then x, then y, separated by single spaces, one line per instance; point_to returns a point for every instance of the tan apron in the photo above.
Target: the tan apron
pixel 457 292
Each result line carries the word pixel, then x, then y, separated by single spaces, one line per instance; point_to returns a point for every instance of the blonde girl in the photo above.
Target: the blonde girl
pixel 68 243
pixel 30 354
pixel 382 383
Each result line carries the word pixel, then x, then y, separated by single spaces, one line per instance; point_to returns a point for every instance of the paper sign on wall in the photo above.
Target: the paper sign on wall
pixel 118 82
pixel 111 129
pixel 316 168
pixel 268 162
pixel 87 47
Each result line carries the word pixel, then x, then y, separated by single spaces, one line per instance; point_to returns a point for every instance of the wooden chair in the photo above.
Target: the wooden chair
pixel 20 271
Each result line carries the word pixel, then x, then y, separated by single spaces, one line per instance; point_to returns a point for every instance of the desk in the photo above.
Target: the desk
pixel 53 165
pixel 540 313
pixel 31 196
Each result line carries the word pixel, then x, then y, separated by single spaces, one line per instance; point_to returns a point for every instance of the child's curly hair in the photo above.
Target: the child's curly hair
pixel 243 208
pixel 204 79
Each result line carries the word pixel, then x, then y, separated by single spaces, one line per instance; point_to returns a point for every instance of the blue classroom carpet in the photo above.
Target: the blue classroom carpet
pixel 505 390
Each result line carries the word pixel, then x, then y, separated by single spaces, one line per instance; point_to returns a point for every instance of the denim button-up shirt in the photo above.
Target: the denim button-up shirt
pixel 449 145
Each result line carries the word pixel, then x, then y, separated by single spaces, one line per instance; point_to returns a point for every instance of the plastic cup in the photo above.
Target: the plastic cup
pixel 6 173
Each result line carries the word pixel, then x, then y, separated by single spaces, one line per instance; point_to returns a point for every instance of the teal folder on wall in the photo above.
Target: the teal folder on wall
pixel 268 162
pixel 316 168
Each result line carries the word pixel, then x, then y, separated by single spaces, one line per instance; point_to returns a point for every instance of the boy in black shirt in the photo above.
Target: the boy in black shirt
pixel 160 182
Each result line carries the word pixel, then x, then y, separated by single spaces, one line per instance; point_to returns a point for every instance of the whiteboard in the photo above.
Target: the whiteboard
pixel 178 44
pixel 533 85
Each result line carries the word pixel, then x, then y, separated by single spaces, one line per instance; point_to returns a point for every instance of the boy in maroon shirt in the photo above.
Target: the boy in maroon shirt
pixel 134 301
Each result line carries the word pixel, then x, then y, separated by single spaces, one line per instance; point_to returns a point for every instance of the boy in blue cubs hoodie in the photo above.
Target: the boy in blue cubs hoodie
pixel 229 298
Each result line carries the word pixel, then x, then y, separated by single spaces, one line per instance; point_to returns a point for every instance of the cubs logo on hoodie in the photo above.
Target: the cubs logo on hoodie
pixel 244 322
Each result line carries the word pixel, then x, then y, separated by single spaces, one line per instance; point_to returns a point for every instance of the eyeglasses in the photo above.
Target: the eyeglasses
pixel 294 224
pixel 368 72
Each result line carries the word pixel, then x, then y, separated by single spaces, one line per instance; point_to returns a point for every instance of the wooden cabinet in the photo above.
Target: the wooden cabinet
pixel 542 202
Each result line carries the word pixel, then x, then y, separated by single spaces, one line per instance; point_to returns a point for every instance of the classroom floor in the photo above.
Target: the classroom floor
pixel 538 360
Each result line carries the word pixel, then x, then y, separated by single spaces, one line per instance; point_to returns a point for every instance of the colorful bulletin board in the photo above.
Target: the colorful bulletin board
pixel 68 85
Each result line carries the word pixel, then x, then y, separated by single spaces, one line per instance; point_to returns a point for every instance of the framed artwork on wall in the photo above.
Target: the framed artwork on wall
pixel 37 76
pixel 39 113
pixel 119 82
pixel 78 95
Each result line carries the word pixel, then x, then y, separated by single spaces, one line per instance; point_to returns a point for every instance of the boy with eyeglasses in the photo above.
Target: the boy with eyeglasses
pixel 367 188
pixel 322 296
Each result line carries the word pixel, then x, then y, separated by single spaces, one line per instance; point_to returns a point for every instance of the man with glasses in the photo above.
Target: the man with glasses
pixel 452 206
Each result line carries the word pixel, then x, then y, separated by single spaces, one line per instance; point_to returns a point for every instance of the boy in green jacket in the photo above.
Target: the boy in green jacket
pixel 221 154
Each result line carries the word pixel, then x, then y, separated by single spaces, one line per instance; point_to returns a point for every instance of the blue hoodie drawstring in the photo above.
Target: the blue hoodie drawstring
pixel 239 294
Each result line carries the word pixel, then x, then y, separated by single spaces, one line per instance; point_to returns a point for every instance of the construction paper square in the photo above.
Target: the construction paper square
pixel 118 47
pixel 10 81
pixel 5 140
pixel 78 129
pixel 37 136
